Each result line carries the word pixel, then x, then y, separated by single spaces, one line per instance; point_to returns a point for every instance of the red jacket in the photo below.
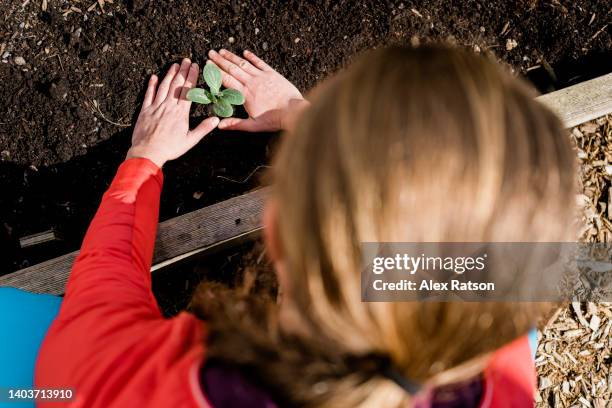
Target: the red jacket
pixel 111 344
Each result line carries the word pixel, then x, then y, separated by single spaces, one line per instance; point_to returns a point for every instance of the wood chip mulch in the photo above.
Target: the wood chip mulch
pixel 574 356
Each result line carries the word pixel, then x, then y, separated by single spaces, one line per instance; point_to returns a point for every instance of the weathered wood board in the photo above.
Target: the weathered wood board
pixel 178 238
pixel 581 102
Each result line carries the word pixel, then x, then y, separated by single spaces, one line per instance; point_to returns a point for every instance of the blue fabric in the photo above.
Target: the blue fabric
pixel 533 341
pixel 24 321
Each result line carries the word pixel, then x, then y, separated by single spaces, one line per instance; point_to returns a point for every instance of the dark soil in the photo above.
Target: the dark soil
pixel 242 268
pixel 59 151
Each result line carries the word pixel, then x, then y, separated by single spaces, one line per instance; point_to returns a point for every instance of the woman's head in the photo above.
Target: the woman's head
pixel 415 145
pixel 406 145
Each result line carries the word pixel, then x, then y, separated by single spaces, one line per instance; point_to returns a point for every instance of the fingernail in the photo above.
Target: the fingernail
pixel 222 125
pixel 186 61
pixel 246 52
pixel 222 51
pixel 212 52
pixel 215 121
pixel 194 66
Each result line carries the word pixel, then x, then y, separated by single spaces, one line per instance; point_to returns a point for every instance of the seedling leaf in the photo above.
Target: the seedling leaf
pixel 232 96
pixel 223 109
pixel 210 96
pixel 198 95
pixel 212 77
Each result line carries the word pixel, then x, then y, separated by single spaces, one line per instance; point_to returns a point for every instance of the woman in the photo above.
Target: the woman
pixel 407 145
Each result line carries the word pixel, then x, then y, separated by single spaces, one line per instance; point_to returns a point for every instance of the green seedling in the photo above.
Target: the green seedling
pixel 222 100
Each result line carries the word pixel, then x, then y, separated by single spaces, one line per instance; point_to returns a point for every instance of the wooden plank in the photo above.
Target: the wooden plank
pixel 181 237
pixel 582 102
pixel 234 240
pixel 38 239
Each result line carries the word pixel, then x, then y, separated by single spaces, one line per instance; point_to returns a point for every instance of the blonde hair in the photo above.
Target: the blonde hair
pixel 428 144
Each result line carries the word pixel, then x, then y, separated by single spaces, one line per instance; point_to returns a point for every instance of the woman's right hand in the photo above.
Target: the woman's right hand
pixel 271 101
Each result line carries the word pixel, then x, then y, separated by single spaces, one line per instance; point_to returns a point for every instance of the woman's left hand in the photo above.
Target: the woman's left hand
pixel 162 129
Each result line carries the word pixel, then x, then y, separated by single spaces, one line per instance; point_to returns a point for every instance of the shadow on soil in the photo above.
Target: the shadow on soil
pixel 64 197
pixel 571 71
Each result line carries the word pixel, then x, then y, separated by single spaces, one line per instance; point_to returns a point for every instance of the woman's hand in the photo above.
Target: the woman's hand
pixel 162 130
pixel 271 101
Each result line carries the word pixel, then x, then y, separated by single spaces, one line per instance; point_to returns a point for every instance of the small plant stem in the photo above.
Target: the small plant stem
pixel 247 178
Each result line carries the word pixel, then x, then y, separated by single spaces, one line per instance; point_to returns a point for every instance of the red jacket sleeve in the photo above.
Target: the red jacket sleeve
pixel 110 342
pixel 113 267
